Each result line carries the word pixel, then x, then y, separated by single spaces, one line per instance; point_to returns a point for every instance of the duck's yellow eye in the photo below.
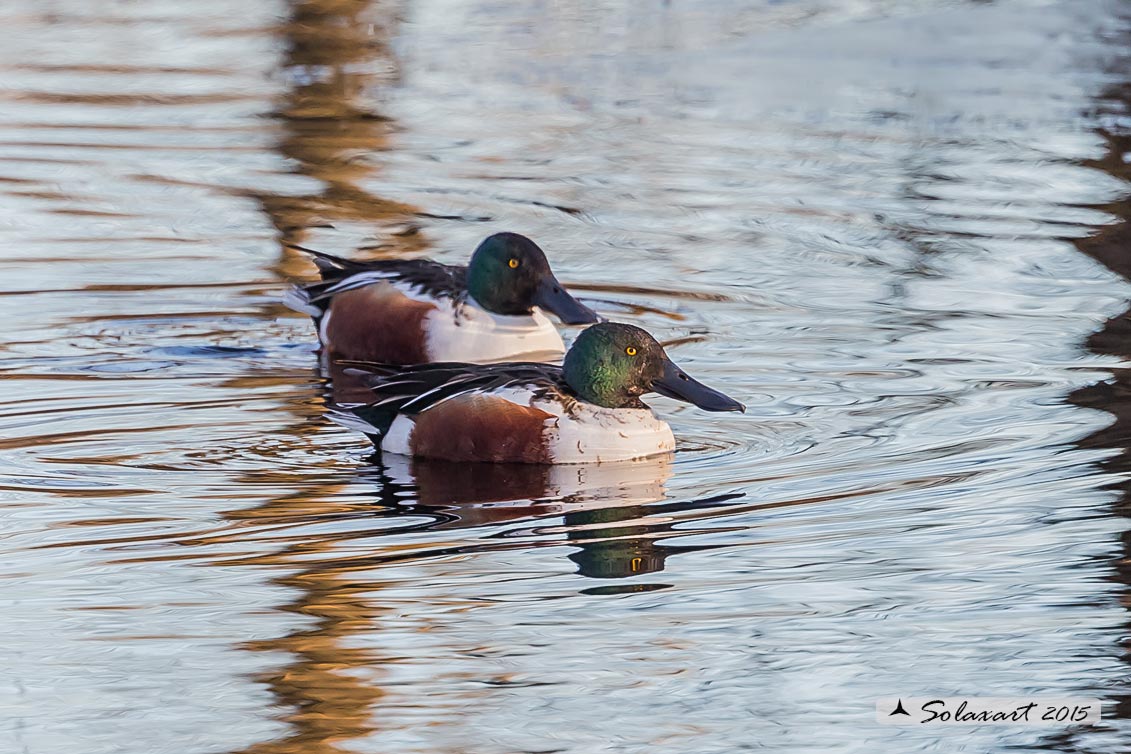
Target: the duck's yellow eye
pixel 512 263
pixel 631 350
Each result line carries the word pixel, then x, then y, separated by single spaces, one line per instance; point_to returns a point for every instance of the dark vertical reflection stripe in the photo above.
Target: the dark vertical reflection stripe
pixel 324 700
pixel 1110 245
pixel 336 58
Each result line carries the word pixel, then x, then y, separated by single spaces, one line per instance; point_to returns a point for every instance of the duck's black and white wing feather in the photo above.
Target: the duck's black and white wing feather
pixel 340 274
pixel 411 390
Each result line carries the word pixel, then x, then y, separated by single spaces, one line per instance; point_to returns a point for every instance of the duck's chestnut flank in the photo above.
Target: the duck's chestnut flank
pixel 481 428
pixel 345 328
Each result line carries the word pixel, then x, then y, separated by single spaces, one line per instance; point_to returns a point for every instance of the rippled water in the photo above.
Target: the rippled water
pixel 899 231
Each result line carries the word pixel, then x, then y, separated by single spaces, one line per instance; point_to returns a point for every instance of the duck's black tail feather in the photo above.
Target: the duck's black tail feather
pixel 373 423
pixel 309 299
pixel 331 267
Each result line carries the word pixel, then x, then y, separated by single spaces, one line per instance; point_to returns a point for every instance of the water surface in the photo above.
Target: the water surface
pixel 897 230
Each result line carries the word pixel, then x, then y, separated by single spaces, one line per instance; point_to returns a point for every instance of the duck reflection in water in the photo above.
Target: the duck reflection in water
pixel 614 513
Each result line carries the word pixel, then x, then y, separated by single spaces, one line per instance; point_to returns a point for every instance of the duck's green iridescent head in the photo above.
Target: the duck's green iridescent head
pixel 509 274
pixel 612 365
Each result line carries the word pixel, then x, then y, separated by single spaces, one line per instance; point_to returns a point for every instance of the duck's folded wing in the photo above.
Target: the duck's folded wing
pixel 340 274
pixel 409 391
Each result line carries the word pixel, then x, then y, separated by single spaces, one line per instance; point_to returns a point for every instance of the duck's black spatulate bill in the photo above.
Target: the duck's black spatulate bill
pixel 676 384
pixel 552 297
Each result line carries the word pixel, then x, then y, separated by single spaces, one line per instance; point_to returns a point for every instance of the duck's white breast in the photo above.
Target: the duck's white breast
pixel 469 333
pixel 592 434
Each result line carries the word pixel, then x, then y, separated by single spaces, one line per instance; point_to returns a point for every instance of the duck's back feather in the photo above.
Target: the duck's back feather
pixel 429 278
pixel 411 390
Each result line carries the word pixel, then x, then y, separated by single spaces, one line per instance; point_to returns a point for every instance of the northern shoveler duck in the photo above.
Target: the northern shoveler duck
pixel 418 311
pixel 586 411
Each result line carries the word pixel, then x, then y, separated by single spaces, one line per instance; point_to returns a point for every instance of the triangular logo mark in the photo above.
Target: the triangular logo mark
pixel 899 709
